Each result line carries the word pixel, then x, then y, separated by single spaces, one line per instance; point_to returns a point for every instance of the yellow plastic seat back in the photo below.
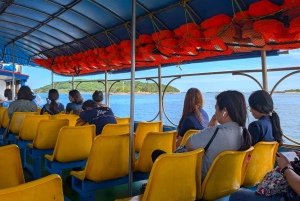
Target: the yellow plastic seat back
pixel 2 111
pixel 108 159
pixel 123 120
pixel 262 161
pixel 16 121
pixel 187 135
pixel 141 131
pixel 73 143
pixel 115 129
pixel 153 141
pixel 71 117
pixel 11 171
pixel 225 174
pixel 172 178
pixel 46 188
pixel 5 120
pixel 47 133
pixel 38 111
pixel 29 126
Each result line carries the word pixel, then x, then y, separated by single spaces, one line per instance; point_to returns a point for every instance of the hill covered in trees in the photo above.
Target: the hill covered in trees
pixel 119 87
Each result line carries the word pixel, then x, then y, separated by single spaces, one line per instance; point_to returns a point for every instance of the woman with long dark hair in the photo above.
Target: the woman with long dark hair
pixel 267 127
pixel 24 103
pixel 193 114
pixel 76 101
pixel 231 134
pixel 54 107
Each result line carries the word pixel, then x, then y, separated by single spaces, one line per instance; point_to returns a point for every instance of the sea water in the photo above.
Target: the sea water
pixel 287 105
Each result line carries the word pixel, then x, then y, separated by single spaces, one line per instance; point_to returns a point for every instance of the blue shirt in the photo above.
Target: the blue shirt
pixel 192 122
pixel 99 116
pixel 261 130
pixel 73 106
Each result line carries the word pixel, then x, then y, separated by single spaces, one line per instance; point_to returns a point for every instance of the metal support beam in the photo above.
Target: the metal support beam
pixel 132 88
pixel 264 70
pixel 160 94
pixel 106 90
pixel 73 82
pixel 52 79
pixel 288 75
pixel 13 72
pixel 161 99
pixel 238 73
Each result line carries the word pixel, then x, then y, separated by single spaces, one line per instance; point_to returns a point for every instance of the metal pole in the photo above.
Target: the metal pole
pixel 132 87
pixel 13 72
pixel 264 70
pixel 106 90
pixel 160 93
pixel 52 79
pixel 73 82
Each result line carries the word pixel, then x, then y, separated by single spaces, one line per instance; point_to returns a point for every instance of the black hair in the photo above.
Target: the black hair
pixel 8 94
pixel 262 102
pixel 235 104
pixel 25 93
pixel 53 97
pixel 77 96
pixel 97 96
pixel 89 103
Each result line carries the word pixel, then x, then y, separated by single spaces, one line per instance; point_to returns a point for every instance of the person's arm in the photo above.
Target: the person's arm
pixel 187 124
pixel 254 130
pixel 83 115
pixel 10 110
pixel 68 109
pixel 290 175
pixel 213 121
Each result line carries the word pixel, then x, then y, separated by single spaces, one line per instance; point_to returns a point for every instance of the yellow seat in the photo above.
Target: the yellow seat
pixel 71 117
pixel 38 111
pixel 43 143
pixel 262 161
pixel 73 143
pixel 29 126
pixel 225 174
pixel 2 111
pixel 153 141
pixel 16 121
pixel 11 171
pixel 107 151
pixel 47 188
pixel 115 129
pixel 123 120
pixel 187 135
pixel 47 133
pixel 5 120
pixel 170 180
pixel 141 131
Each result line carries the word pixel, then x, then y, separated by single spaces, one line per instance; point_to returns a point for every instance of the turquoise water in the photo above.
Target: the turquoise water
pixel 287 105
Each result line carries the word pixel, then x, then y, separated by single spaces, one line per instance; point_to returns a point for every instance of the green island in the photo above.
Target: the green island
pixel 293 90
pixel 119 87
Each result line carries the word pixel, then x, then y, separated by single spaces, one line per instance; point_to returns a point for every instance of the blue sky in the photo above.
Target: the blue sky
pixel 209 83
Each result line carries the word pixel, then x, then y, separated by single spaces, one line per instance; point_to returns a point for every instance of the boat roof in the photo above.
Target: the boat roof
pixel 53 28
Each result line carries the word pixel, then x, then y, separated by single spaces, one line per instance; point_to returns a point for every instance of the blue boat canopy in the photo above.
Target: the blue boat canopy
pixel 74 37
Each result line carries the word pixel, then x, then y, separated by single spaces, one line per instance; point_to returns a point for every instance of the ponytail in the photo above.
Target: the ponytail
pixel 53 107
pixel 247 140
pixel 277 132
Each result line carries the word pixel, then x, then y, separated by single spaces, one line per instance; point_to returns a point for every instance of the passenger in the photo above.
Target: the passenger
pixel 231 112
pixel 100 116
pixel 54 107
pixel 193 116
pixel 267 128
pixel 293 190
pixel 98 98
pixel 76 102
pixel 7 98
pixel 24 103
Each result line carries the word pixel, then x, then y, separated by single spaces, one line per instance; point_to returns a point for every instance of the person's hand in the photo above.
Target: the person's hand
pixel 282 160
